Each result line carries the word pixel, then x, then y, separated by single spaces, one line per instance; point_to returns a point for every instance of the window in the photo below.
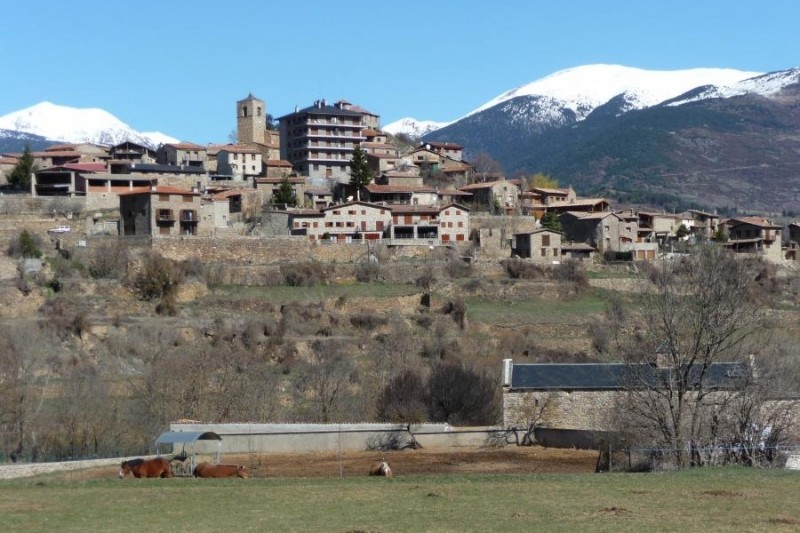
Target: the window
pixel 544 252
pixel 545 240
pixel 163 197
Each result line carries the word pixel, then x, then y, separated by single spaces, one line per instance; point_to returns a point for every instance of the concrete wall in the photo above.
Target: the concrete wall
pixel 281 438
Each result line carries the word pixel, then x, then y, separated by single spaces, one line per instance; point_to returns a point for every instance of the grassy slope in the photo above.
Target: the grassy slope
pixel 730 499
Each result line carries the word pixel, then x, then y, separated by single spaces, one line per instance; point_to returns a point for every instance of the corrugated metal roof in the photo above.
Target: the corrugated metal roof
pixel 183 437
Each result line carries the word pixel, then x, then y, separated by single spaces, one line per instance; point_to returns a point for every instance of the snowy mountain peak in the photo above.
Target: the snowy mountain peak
pixel 582 89
pixel 413 127
pixel 73 125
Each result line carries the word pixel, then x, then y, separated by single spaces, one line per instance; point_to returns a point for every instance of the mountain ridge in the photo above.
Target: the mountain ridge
pixel 716 146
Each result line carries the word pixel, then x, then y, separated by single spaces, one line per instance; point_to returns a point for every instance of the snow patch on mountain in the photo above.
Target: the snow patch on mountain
pixel 413 127
pixel 74 125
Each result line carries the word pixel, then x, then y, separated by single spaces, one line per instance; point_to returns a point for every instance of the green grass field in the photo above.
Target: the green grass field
pixel 708 500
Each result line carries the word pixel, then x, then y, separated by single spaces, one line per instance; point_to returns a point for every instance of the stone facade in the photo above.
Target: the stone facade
pixel 164 212
pixel 579 410
pixel 541 246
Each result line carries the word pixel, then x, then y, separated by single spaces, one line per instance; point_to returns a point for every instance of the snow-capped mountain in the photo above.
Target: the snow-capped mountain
pixel 579 91
pixel 73 125
pixel 635 134
pixel 582 89
pixel 413 127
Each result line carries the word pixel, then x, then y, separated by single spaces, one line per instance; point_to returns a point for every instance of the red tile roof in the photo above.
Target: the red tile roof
pixel 277 163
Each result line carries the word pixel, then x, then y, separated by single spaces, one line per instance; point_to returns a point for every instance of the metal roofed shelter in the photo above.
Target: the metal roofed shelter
pixel 190 438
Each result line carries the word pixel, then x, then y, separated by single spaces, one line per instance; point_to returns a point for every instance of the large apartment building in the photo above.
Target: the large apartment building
pixel 319 140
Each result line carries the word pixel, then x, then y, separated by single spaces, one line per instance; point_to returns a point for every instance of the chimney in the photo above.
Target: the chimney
pixel 508 367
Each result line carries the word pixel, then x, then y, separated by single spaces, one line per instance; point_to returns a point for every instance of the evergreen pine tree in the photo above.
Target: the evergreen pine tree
pixel 285 194
pixel 551 221
pixel 21 175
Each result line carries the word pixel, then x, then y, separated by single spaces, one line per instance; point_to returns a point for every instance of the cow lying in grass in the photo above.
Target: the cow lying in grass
pixel 209 470
pixel 380 469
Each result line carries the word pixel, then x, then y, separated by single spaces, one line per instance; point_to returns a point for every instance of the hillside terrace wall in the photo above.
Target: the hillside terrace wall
pixel 277 250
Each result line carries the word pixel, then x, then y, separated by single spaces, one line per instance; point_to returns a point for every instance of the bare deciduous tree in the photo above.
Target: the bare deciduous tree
pixel 702 312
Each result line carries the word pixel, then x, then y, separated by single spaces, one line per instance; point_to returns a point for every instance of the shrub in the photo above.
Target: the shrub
pixel 26 245
pixel 305 274
pixel 462 396
pixel 367 320
pixel 572 271
pixel 519 269
pixel 456 267
pixel 157 277
pixel 403 399
pixel 109 261
pixel 368 271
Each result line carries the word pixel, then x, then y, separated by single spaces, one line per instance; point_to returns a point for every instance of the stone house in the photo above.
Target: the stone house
pixel 401 194
pixel 582 397
pixel 754 235
pixel 276 168
pixel 242 203
pixel 129 151
pixel 268 187
pixel 63 180
pixel 435 225
pixel 318 197
pixel 380 162
pixel 182 154
pixel 398 224
pixel 49 158
pixel 403 179
pixel 605 231
pixel 89 153
pixel 162 211
pixel 240 162
pixel 701 223
pixel 342 222
pixel 493 195
pixel 425 159
pixel 7 165
pixel 446 149
pixel 541 246
pixel 658 227
pixel 456 171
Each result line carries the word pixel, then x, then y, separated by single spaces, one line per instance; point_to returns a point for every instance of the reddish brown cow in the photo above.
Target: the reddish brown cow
pixel 380 469
pixel 209 470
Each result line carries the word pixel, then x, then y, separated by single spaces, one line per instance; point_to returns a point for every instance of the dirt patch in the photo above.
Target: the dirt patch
pixel 403 463
pixel 723 493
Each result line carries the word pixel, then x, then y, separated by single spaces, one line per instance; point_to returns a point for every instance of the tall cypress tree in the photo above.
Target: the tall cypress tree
pixel 360 173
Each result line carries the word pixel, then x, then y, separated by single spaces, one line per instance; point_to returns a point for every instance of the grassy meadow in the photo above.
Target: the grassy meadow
pixel 708 500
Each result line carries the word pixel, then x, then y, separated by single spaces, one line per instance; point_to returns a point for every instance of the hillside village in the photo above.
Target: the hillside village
pixel 296 174
pixel 323 194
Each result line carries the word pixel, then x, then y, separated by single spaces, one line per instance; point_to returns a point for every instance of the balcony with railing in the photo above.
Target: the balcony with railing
pixel 165 217
pixel 189 216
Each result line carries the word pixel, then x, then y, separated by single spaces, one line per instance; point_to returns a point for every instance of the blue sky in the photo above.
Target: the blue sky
pixel 178 66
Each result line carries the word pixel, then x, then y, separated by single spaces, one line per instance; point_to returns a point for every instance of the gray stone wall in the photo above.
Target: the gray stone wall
pixel 580 410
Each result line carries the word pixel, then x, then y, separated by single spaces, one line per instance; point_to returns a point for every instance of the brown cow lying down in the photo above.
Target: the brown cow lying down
pixel 209 470
pixel 380 469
